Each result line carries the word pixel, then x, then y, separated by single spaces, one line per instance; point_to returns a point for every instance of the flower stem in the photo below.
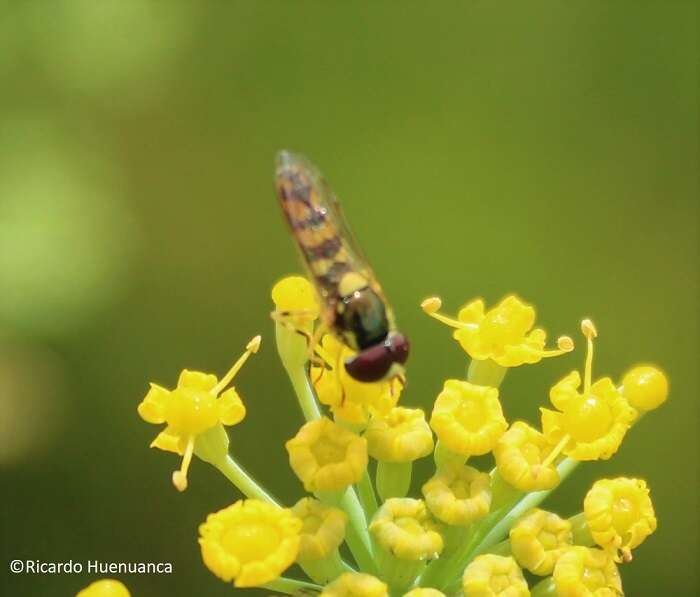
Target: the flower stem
pixel 496 526
pixel 486 373
pixel 399 574
pixel 443 456
pixel 291 586
pixel 544 588
pixel 305 394
pixel 367 496
pixel 326 569
pixel 235 473
pixel 393 479
pixel 580 531
pixel 531 500
pixel 356 535
pixel 501 549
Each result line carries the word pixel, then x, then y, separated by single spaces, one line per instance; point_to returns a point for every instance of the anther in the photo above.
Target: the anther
pixel 431 305
pixel 588 328
pixel 565 343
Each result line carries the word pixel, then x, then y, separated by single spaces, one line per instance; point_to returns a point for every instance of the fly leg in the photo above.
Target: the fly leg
pixel 288 319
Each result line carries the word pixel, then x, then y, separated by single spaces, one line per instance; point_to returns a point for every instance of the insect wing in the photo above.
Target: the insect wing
pixel 316 220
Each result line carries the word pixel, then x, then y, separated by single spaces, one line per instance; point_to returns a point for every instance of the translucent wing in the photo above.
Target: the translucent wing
pixel 316 221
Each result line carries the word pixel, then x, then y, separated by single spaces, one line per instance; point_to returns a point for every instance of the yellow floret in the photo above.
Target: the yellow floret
pixel 402 435
pixel 645 387
pixel 619 514
pixel 593 423
pixel 353 584
pixel 250 542
pixel 467 418
pixel 520 454
pixel 585 572
pixel 538 539
pixel 105 588
pixel 458 494
pixel 323 528
pixel 494 576
pixel 503 334
pixel 327 457
pixel 197 405
pixel 404 528
pixel 294 295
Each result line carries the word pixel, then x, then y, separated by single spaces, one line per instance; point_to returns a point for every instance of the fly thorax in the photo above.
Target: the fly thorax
pixel 362 317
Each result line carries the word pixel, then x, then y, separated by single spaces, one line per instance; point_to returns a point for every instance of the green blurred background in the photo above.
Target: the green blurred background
pixel 543 148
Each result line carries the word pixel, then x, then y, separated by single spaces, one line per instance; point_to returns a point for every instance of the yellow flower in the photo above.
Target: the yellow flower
pixel 424 593
pixel 350 400
pixel 619 514
pixel 585 572
pixel 250 542
pixel 296 310
pixel 404 528
pixel 327 457
pixel 468 418
pixel 494 576
pixel 401 436
pixel 503 334
pixel 296 298
pixel 538 539
pixel 195 406
pixel 354 584
pixel 105 588
pixel 520 453
pixel 458 494
pixel 323 528
pixel 589 425
pixel 645 387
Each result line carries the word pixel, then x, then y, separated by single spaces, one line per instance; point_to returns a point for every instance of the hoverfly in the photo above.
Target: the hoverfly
pixel 353 306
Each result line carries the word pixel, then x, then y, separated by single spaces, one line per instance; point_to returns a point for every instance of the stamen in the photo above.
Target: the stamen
pixel 554 454
pixel 565 343
pixel 432 305
pixel 589 330
pixel 251 348
pixel 180 476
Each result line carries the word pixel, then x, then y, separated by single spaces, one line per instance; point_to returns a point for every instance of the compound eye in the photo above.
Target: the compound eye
pixel 372 364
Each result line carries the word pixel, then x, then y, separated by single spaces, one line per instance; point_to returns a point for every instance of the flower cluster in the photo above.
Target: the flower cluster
pixel 467 532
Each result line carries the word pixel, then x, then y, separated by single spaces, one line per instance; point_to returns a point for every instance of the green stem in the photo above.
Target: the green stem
pixel 531 500
pixel 367 496
pixel 291 586
pixel 441 572
pixel 486 373
pixel 443 456
pixel 580 531
pixel 235 473
pixel 326 569
pixel 399 574
pixel 393 479
pixel 544 588
pixel 356 534
pixel 305 394
pixel 501 549
pixel 502 492
pixel 493 530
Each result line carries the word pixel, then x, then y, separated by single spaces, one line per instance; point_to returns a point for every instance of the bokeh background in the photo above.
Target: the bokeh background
pixel 543 148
